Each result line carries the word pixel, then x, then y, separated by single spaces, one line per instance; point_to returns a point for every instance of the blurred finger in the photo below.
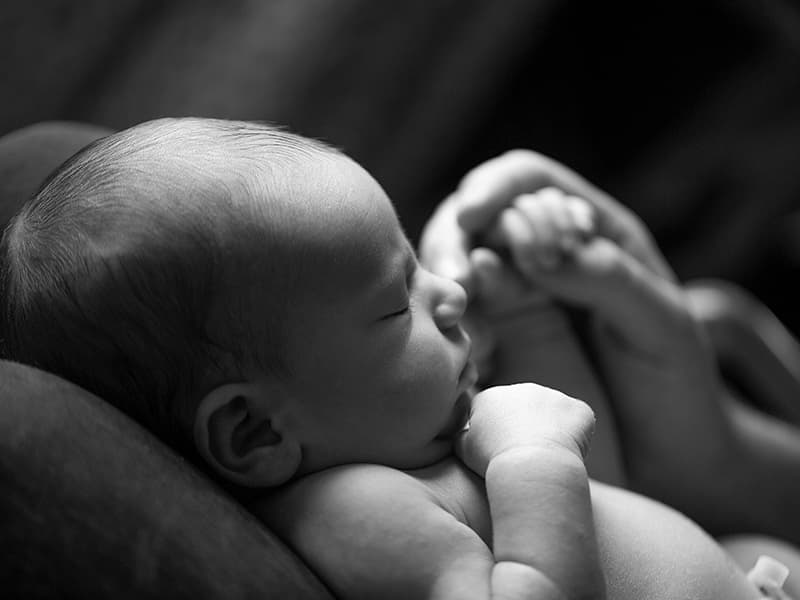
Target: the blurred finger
pixel 581 215
pixel 493 185
pixel 546 215
pixel 520 239
pixel 555 202
pixel 501 289
pixel 637 303
pixel 444 247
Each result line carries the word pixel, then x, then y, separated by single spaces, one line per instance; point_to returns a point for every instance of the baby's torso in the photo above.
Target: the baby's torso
pixel 648 550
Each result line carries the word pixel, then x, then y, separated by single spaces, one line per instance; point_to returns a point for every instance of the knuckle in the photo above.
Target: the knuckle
pixel 523 201
pixel 534 208
pixel 524 160
pixel 522 154
pixel 551 194
pixel 586 411
pixel 529 160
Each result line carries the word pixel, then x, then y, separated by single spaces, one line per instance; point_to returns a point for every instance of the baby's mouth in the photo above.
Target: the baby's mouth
pixel 460 416
pixel 463 404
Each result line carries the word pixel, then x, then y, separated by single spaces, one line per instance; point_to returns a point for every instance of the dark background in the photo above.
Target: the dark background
pixel 689 112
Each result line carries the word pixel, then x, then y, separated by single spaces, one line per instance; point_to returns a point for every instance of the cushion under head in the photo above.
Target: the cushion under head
pixel 92 505
pixel 30 154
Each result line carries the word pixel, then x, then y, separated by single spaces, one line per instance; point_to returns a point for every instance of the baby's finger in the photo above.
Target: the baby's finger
pixel 561 223
pixel 520 239
pixel 546 224
pixel 492 186
pixel 558 208
pixel 582 216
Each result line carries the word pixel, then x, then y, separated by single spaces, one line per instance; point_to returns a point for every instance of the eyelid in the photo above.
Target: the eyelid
pixel 409 299
pixel 412 264
pixel 397 313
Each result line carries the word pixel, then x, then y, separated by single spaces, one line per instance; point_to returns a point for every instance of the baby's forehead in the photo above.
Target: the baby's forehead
pixel 331 196
pixel 335 223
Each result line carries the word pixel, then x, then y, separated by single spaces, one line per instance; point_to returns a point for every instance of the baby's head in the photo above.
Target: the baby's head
pixel 244 292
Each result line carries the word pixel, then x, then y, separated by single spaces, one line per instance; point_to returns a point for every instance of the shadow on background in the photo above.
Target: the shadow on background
pixel 689 112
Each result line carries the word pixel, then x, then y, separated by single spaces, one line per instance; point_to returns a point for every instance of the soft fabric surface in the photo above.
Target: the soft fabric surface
pixel 29 154
pixel 92 506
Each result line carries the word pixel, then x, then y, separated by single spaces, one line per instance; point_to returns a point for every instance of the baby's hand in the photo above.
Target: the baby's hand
pixel 538 233
pixel 523 415
pixel 656 363
pixel 552 241
pixel 528 261
pixel 554 244
pixel 543 229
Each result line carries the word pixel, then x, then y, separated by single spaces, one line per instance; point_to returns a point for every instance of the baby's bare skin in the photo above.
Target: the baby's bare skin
pixel 666 396
pixel 647 550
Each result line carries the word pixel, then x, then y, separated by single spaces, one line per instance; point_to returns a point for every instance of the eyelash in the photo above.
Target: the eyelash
pixel 397 313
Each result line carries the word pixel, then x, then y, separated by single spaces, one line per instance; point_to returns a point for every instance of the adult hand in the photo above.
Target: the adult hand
pixel 661 374
pixel 455 230
pixel 618 274
pixel 456 226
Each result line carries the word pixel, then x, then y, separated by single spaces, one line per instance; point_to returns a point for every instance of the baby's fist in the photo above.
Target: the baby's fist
pixel 523 415
pixel 544 228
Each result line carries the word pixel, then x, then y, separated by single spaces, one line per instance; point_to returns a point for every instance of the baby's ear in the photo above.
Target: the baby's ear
pixel 234 433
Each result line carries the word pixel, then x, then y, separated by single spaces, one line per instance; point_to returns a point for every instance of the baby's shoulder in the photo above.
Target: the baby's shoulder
pixel 357 490
pixel 368 528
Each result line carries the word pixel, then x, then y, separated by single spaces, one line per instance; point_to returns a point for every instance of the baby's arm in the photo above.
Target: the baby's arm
pixel 686 442
pixel 373 532
pixel 535 338
pixel 655 361
pixel 531 454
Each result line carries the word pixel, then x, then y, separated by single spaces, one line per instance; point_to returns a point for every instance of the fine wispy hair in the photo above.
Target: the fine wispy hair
pixel 128 271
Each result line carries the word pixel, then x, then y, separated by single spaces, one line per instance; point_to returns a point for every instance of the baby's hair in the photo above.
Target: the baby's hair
pixel 128 273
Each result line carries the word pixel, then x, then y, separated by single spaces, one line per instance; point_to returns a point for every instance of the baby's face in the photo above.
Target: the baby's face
pixel 380 368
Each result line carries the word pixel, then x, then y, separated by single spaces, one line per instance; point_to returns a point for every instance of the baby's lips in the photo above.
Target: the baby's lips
pixel 459 419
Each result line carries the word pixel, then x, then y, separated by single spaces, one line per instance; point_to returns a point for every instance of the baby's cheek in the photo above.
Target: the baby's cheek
pixel 438 356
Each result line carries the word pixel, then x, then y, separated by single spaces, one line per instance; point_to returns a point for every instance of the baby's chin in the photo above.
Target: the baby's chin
pixel 437 451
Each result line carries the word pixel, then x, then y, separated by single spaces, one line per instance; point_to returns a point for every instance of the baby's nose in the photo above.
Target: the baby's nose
pixel 451 306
